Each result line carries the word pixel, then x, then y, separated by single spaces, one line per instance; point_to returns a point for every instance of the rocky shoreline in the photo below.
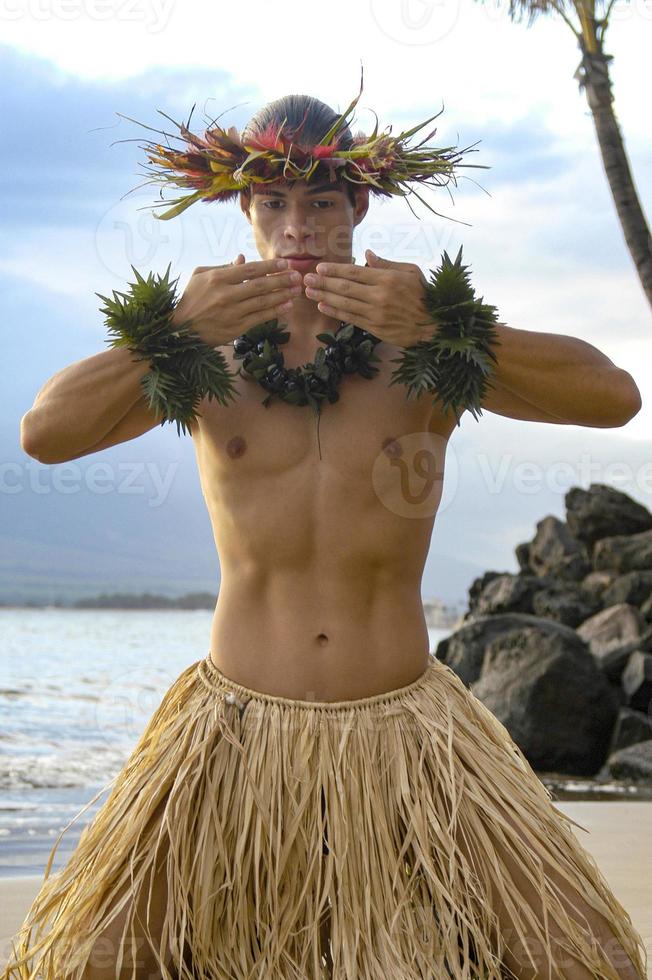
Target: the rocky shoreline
pixel 561 651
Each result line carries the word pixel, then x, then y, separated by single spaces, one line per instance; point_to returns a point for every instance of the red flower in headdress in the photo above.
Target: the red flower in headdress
pixel 269 138
pixel 323 152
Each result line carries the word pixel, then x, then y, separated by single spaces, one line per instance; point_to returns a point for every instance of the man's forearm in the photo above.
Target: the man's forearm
pixel 565 376
pixel 78 405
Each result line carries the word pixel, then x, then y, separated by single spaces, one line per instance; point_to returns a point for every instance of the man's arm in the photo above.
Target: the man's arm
pixel 544 377
pixel 79 406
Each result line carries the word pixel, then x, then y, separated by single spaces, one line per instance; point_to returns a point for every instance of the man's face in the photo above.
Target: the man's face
pixel 304 218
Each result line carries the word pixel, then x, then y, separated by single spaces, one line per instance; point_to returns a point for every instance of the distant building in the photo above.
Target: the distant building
pixel 441 615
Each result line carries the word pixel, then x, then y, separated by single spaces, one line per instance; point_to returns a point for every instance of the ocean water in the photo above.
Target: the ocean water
pixel 77 688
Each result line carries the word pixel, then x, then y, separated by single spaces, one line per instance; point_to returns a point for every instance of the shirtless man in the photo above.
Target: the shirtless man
pixel 320 578
pixel 319 596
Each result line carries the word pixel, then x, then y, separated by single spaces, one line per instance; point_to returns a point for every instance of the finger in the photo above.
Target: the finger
pixel 261 315
pixel 227 265
pixel 261 268
pixel 240 261
pixel 246 270
pixel 359 291
pixel 274 275
pixel 353 273
pixel 357 286
pixel 341 312
pixel 265 286
pixel 211 268
pixel 355 306
pixel 264 302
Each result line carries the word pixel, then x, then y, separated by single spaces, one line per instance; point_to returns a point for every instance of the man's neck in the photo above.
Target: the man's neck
pixel 303 331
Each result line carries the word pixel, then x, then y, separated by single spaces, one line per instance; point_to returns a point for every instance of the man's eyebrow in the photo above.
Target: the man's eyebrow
pixel 319 189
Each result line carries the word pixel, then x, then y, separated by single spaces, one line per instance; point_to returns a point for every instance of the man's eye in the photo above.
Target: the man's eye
pixel 268 204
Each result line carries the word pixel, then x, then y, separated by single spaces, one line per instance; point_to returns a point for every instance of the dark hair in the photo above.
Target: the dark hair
pixel 309 117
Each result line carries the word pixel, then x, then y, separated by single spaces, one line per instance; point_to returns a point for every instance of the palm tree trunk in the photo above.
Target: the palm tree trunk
pixel 593 74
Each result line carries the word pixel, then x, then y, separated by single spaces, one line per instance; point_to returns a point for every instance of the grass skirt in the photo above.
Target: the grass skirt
pixel 393 813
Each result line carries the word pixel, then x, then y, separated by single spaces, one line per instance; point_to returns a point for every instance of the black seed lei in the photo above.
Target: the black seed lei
pixel 350 350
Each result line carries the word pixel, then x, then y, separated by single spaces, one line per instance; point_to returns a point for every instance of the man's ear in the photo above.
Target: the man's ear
pixel 244 199
pixel 361 204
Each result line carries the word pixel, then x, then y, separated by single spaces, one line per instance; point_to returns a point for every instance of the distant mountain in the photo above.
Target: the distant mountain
pixel 128 600
pixel 133 519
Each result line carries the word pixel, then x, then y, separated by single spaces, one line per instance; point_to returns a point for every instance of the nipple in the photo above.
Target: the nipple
pixel 391 447
pixel 237 446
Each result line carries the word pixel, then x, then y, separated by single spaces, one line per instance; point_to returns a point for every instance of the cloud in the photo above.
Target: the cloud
pixel 540 234
pixel 60 169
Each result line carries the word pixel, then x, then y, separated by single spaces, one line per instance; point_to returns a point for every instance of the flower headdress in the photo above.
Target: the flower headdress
pixel 219 164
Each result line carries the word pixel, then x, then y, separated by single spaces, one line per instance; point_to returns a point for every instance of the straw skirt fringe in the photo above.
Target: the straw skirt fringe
pixel 385 811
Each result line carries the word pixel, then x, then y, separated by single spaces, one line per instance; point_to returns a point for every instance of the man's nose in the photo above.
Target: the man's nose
pixel 299 222
pixel 299 231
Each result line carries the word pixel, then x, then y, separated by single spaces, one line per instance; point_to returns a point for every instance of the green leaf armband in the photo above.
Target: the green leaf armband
pixel 183 368
pixel 455 362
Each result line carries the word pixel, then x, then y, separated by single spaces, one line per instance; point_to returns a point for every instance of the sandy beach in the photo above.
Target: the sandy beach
pixel 619 837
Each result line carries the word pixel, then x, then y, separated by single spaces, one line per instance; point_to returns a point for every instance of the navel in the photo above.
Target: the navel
pixel 236 446
pixel 322 639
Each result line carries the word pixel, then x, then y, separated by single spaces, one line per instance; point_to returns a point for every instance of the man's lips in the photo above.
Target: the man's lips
pixel 301 264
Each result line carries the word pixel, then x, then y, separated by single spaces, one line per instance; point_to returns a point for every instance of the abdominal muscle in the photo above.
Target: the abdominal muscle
pixel 306 638
pixel 322 554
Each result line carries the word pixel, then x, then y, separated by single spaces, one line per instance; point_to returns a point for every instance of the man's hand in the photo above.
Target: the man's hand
pixel 386 298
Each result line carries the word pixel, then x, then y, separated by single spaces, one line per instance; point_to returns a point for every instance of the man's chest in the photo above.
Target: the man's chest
pixel 371 423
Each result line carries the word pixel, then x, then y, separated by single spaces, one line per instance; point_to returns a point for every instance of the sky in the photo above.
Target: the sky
pixel 538 228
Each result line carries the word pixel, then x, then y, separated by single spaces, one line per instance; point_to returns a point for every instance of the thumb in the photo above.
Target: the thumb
pixel 237 259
